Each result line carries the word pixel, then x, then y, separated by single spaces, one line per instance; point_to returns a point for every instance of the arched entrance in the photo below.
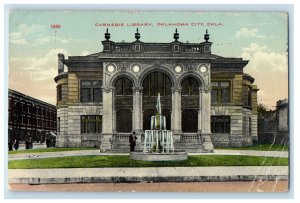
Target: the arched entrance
pixel 154 83
pixel 123 104
pixel 189 104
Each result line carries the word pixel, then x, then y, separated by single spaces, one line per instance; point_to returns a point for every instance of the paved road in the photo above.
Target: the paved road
pixel 248 186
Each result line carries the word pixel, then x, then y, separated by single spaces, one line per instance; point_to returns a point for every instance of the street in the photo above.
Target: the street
pixel 256 186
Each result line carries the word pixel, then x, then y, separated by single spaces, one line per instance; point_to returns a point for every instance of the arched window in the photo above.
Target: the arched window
pixel 123 86
pixel 155 83
pixel 190 87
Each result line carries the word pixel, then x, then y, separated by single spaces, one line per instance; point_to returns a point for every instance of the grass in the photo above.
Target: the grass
pixel 41 150
pixel 125 161
pixel 262 147
pixel 259 147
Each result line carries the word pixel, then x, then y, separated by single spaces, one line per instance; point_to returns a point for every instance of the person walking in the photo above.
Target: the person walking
pixel 47 142
pixel 132 141
pixel 16 144
pixel 10 145
pixel 27 144
pixel 30 143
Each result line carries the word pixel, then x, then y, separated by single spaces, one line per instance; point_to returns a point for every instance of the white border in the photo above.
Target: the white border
pixel 114 5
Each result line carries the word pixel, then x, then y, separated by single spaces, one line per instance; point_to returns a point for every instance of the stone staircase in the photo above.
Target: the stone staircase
pixel 188 142
pixel 120 142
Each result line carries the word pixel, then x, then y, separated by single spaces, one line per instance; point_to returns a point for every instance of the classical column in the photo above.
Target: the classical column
pixel 205 119
pixel 107 118
pixel 137 110
pixel 200 111
pixel 176 112
pixel 137 116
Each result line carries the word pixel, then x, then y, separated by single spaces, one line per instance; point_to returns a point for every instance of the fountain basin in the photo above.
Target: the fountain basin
pixel 172 156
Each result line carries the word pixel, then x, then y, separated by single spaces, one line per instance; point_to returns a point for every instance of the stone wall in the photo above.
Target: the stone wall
pixel 70 134
pixel 254 129
pixel 283 119
pixel 239 126
pixel 62 129
pixel 247 127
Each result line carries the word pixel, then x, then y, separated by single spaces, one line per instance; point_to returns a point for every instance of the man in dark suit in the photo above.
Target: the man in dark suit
pixel 132 141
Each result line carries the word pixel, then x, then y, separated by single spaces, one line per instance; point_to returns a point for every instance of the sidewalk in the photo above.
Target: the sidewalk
pixel 150 174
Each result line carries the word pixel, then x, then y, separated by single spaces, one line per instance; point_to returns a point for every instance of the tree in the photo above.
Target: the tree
pixel 262 109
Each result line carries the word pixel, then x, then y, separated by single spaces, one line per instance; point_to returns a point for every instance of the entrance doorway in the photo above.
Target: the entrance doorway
pixel 189 104
pixel 123 104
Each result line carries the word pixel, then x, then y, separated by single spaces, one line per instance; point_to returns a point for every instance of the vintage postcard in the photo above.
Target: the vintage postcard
pixel 148 101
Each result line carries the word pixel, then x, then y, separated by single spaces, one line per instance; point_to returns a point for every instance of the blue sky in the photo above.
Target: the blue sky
pixel 260 37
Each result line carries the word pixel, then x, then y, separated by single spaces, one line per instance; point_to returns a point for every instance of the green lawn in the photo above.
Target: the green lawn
pixel 125 161
pixel 262 147
pixel 41 150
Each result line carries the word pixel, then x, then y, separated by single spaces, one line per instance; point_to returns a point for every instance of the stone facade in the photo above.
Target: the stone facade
pixel 131 75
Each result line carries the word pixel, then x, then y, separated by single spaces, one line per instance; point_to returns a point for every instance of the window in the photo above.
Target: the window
pixel 247 96
pixel 59 93
pixel 155 83
pixel 24 107
pixel 91 124
pixel 190 87
pixel 90 91
pixel 123 86
pixel 220 124
pixel 250 126
pixel 220 92
pixel 137 47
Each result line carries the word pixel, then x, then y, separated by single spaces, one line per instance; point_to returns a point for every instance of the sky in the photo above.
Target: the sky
pixel 260 37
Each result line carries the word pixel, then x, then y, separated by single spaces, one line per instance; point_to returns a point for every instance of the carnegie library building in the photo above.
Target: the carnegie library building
pixel 207 99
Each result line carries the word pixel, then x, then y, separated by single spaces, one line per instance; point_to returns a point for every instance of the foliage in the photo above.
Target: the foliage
pixel 262 110
pixel 103 161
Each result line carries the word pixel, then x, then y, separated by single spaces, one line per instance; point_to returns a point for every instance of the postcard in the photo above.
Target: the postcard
pixel 148 101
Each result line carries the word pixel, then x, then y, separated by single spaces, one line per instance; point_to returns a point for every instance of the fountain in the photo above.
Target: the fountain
pixel 158 142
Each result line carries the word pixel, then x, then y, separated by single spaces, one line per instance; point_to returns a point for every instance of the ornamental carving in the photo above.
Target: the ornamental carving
pixel 190 101
pixel 122 67
pixel 151 101
pixel 123 101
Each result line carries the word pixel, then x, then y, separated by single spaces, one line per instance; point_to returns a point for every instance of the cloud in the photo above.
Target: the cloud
pixel 245 32
pixel 37 73
pixel 84 53
pixel 23 35
pixel 270 70
pixel 262 57
pixel 47 39
pixel 254 47
pixel 24 30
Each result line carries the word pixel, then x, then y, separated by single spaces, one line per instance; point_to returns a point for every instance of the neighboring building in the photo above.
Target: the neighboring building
pixel 29 117
pixel 282 112
pixel 282 109
pixel 273 125
pixel 103 97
